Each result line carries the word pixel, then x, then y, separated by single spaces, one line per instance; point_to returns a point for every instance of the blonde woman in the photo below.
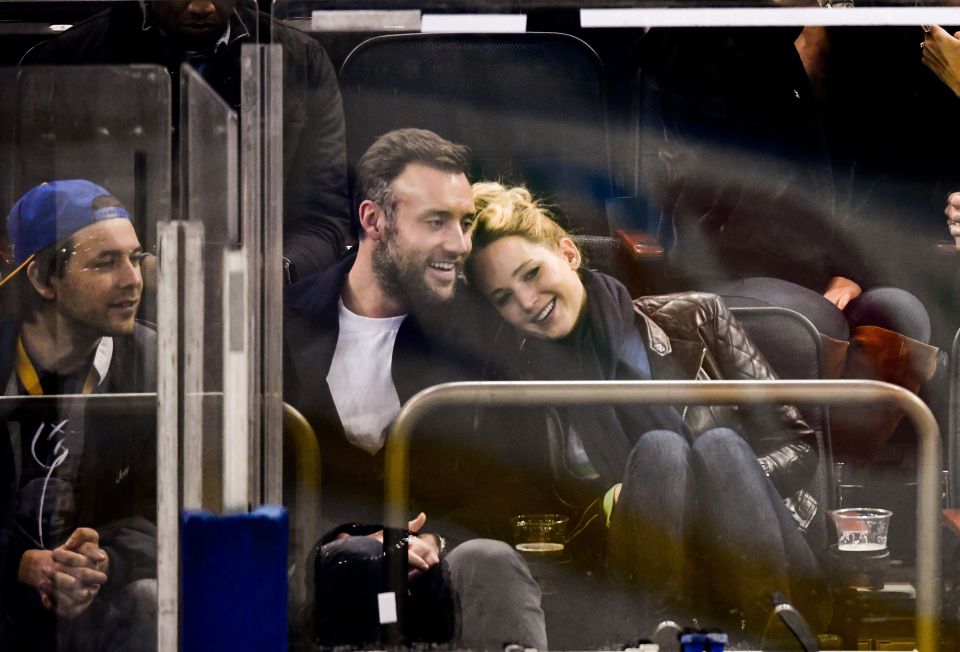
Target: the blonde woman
pixel 705 509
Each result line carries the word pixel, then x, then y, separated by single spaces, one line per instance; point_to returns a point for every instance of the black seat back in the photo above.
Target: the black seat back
pixel 530 106
pixel 793 347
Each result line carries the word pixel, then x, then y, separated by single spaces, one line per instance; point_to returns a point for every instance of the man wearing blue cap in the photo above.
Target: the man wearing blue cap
pixel 77 533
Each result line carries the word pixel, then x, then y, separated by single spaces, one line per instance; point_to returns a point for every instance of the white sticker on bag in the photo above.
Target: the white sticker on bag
pixel 387 604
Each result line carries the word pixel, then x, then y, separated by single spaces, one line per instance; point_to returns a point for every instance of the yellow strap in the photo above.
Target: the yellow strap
pixel 19 267
pixel 31 382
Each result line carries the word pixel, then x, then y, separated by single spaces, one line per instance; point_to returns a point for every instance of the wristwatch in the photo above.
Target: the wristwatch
pixel 441 545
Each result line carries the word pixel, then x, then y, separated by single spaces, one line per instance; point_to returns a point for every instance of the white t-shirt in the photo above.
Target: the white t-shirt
pixel 360 377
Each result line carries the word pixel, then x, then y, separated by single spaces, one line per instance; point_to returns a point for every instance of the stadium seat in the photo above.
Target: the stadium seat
pixel 301 479
pixel 530 106
pixel 793 347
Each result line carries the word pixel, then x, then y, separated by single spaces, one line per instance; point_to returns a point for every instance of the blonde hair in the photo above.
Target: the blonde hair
pixel 502 212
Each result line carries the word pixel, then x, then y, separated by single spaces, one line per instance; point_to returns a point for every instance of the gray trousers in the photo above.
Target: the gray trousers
pixel 480 597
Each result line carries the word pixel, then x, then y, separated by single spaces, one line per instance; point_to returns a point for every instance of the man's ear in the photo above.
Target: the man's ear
pixel 45 289
pixel 371 219
pixel 570 253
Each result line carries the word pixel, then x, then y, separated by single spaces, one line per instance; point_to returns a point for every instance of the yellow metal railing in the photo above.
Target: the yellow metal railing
pixel 796 392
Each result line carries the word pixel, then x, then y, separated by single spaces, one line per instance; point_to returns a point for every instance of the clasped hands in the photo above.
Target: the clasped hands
pixel 68 577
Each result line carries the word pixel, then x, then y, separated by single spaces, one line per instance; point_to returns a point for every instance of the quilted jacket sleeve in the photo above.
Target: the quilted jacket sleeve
pixel 782 440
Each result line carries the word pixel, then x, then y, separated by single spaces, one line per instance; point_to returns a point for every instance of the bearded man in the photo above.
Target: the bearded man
pixel 361 339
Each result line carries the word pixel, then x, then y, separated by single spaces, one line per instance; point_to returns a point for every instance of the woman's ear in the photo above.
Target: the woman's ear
pixel 570 253
pixel 44 288
pixel 371 219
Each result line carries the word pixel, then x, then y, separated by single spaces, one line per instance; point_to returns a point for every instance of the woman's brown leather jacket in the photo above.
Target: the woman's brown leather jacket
pixel 694 335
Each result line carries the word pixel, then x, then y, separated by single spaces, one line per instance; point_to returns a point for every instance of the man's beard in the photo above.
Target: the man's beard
pixel 403 279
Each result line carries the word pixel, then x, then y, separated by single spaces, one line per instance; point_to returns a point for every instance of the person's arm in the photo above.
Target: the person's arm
pixel 316 203
pixel 424 549
pixel 784 442
pixel 941 54
pixel 131 544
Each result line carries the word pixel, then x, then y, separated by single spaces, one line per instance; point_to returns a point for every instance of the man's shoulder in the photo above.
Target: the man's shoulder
pixel 464 329
pixel 285 34
pixel 134 364
pixel 300 49
pixel 144 334
pixel 315 296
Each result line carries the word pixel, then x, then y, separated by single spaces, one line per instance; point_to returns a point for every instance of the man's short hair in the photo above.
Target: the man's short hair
pixel 386 159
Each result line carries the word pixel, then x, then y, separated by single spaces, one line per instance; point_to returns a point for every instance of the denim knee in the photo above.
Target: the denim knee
pixel 661 450
pixel 718 449
pixel 891 308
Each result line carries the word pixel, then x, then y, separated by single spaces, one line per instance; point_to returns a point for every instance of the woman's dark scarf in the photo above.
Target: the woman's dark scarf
pixel 605 345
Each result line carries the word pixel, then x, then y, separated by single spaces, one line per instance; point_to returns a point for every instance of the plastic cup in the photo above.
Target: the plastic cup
pixel 539 533
pixel 861 529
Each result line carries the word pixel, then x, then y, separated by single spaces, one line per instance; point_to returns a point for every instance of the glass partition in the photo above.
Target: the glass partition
pixel 85 162
pixel 208 172
pixel 769 152
pixel 778 153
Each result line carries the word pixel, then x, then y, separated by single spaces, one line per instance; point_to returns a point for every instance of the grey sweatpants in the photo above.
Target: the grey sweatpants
pixel 487 585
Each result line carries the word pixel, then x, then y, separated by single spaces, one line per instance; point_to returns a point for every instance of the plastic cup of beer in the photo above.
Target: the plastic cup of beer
pixel 861 529
pixel 539 532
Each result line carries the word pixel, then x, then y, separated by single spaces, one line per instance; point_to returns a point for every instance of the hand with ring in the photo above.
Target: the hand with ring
pixel 941 54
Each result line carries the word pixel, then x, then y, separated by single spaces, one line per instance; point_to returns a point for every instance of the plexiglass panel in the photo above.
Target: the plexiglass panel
pixel 778 154
pixel 209 169
pixel 85 180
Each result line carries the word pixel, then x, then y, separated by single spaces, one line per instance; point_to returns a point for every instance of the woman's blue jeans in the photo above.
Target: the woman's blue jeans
pixel 700 532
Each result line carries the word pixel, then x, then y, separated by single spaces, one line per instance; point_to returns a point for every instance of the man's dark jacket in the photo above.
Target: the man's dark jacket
pixel 456 465
pixel 316 206
pixel 117 497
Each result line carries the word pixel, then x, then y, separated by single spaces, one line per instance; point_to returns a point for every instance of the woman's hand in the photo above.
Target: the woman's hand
pixel 841 291
pixel 941 54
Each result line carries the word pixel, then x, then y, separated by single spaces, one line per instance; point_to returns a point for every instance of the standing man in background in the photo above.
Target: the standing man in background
pixel 208 34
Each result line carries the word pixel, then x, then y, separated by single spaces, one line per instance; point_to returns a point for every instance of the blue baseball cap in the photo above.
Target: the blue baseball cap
pixel 56 210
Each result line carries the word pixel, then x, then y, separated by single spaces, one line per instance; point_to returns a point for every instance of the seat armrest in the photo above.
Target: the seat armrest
pixel 641 245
